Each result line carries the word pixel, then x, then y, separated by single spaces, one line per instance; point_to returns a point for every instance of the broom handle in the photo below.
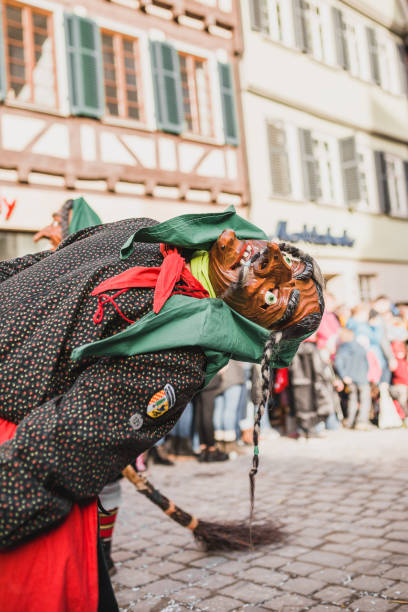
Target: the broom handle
pixel 146 488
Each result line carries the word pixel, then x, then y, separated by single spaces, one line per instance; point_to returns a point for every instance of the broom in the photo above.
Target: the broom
pixel 234 535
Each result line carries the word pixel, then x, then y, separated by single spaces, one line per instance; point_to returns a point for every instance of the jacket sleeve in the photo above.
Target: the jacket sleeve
pixel 67 449
pixel 14 266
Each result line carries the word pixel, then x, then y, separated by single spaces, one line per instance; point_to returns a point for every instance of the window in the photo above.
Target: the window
pixel 121 76
pixel 323 156
pixel 279 161
pixel 272 17
pixel 389 65
pixel 308 24
pixel 314 29
pixel 318 156
pixel 353 38
pixel 259 15
pixel 366 180
pixel 29 55
pixel 195 92
pixel 396 185
pixel 365 285
pixel 276 20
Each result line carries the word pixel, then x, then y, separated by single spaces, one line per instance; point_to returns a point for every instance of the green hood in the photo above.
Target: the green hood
pixel 82 216
pixel 208 323
pixel 194 231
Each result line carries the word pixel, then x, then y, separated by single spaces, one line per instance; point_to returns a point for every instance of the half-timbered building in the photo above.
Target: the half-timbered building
pixel 131 103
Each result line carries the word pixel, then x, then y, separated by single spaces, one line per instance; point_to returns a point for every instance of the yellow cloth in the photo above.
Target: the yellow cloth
pixel 199 269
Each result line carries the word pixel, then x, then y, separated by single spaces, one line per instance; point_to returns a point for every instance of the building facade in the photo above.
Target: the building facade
pixel 324 90
pixel 131 103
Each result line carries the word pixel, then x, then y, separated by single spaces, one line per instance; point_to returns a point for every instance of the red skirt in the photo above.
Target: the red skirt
pixel 58 570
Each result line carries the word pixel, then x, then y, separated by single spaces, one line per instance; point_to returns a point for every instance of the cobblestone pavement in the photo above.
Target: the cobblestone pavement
pixel 343 503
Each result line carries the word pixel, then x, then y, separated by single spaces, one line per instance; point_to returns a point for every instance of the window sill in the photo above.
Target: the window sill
pixel 202 139
pixel 127 123
pixel 397 217
pixel 35 108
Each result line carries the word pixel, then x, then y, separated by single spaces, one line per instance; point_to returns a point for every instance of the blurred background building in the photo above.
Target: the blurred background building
pixel 326 120
pixel 132 104
pixel 295 111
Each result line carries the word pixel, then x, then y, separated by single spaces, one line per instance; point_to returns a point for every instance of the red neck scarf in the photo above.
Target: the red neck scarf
pixel 170 278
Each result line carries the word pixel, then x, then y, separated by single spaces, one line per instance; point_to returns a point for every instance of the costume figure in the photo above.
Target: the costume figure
pixel 100 355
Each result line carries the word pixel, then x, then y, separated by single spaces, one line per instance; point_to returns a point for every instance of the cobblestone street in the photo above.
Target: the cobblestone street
pixel 342 501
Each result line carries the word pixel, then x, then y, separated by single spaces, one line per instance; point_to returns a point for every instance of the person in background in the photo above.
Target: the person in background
pixel 343 313
pixel 380 320
pixel 180 437
pixel 204 410
pixel 403 313
pixel 310 391
pixel 351 364
pixel 365 322
pixel 226 415
pixel 399 383
pixel 329 328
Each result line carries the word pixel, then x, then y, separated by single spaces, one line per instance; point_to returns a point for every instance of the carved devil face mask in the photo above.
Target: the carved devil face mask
pixel 261 282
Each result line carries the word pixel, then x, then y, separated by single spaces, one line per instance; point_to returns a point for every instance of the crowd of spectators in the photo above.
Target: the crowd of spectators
pixel 352 373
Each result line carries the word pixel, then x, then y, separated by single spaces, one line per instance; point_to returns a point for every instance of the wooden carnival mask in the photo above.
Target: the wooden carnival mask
pixel 261 282
pixel 52 232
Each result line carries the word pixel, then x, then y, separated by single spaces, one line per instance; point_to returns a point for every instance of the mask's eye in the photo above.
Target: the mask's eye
pixel 270 298
pixel 288 259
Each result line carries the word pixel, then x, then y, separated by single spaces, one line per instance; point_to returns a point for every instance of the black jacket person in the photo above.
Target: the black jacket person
pixel 85 396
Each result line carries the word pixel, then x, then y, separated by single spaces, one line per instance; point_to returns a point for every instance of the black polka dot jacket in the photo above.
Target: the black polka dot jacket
pixel 79 423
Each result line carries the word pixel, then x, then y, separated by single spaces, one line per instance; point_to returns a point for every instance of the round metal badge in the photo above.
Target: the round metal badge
pixel 136 421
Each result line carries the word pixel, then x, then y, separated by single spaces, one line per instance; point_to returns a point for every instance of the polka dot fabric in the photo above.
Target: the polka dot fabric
pixel 74 433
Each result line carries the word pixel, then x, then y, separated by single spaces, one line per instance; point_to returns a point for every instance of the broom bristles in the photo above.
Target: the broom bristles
pixel 236 535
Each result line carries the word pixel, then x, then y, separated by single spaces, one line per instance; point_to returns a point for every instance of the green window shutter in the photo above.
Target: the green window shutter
pixel 3 78
pixel 279 161
pixel 382 182
pixel 349 166
pixel 311 178
pixel 342 54
pixel 229 109
pixel 302 38
pixel 167 87
pixel 85 73
pixel 373 55
pixel 259 15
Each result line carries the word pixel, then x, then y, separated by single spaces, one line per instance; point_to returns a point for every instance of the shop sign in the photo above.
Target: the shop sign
pixel 313 236
pixel 6 207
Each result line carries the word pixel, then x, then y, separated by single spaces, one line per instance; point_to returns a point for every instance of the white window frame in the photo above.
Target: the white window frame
pixel 365 286
pixel 315 23
pixel 353 36
pixel 325 151
pixel 295 161
pixel 366 168
pixel 279 9
pixel 396 186
pixel 389 64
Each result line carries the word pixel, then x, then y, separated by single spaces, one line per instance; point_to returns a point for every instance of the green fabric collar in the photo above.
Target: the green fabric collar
pixel 199 265
pixel 82 216
pixel 208 323
pixel 194 231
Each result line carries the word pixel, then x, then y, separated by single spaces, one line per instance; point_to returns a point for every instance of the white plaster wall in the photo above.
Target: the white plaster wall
pixel 386 279
pixel 285 74
pixel 35 205
pixel 17 132
pixel 377 237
